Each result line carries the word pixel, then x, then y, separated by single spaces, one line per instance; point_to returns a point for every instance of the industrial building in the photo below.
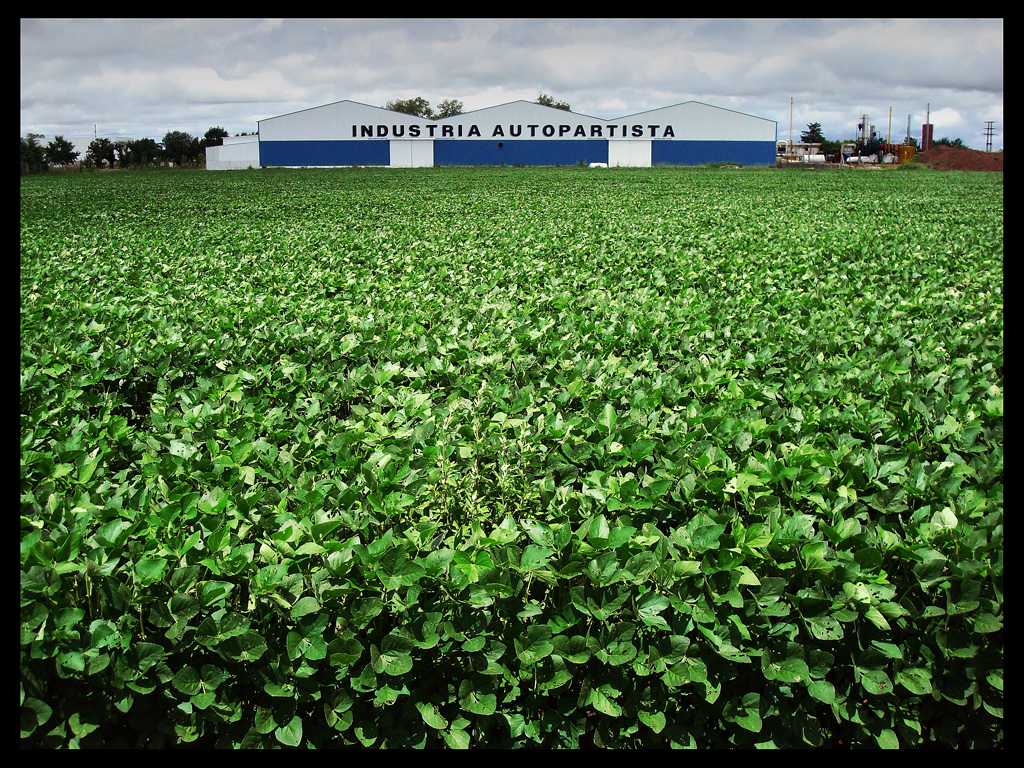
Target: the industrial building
pixel 347 133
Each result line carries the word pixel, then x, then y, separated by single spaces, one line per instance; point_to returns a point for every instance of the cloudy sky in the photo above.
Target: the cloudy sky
pixel 138 78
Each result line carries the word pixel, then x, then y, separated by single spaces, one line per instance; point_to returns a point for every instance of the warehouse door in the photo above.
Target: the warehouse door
pixel 629 154
pixel 412 154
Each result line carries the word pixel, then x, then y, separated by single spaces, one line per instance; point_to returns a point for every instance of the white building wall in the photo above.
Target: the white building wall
pixel 518 113
pixel 236 153
pixel 331 122
pixel 696 121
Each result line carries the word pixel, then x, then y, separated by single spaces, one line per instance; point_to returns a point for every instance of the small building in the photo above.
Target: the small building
pixel 235 153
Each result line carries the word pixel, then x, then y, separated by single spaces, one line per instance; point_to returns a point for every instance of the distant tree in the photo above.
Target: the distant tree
pixel 180 147
pixel 946 142
pixel 121 152
pixel 830 148
pixel 213 137
pixel 418 106
pixel 813 134
pixel 100 149
pixel 449 107
pixel 61 152
pixel 33 155
pixel 549 101
pixel 142 152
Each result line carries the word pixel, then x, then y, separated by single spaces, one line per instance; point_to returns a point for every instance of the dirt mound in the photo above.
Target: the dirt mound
pixel 960 159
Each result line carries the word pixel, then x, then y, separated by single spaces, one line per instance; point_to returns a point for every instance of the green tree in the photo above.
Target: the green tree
pixel 947 142
pixel 100 149
pixel 121 152
pixel 449 107
pixel 180 147
pixel 61 152
pixel 213 137
pixel 33 155
pixel 142 152
pixel 549 101
pixel 417 106
pixel 831 147
pixel 813 134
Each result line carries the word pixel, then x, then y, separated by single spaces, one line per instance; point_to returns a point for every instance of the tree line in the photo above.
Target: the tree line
pixel 182 149
pixel 177 147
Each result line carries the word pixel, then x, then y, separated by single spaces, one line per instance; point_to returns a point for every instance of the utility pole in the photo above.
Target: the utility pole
pixel 790 125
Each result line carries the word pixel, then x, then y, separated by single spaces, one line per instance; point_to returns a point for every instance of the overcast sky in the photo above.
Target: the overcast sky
pixel 139 78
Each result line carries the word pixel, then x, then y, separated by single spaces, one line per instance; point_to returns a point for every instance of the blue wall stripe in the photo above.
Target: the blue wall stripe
pixel 699 152
pixel 325 153
pixel 514 152
pixel 519 152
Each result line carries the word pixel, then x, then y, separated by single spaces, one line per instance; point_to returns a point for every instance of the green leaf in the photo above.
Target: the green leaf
pixel 886 739
pixel 603 569
pixel 249 646
pixel 609 417
pixel 534 557
pixel 304 606
pixel 876 682
pixel 648 608
pixel 112 535
pixel 474 701
pixel 598 532
pixel 150 569
pixel 541 533
pixel 706 537
pixel 86 470
pixel 825 627
pixel 600 701
pixel 366 733
pixel 290 734
pixel 915 680
pixel 34 714
pixel 822 690
pixel 393 657
pixel 213 593
pixel 365 609
pixel 456 738
pixel 397 642
pixel 741 482
pixel 573 649
pixel 187 681
pixel 534 645
pixel 431 716
pixel 653 720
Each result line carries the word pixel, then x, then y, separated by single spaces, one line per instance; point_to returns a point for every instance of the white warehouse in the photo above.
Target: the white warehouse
pixel 518 133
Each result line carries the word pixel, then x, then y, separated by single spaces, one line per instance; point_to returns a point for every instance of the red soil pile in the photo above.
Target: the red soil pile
pixel 960 159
